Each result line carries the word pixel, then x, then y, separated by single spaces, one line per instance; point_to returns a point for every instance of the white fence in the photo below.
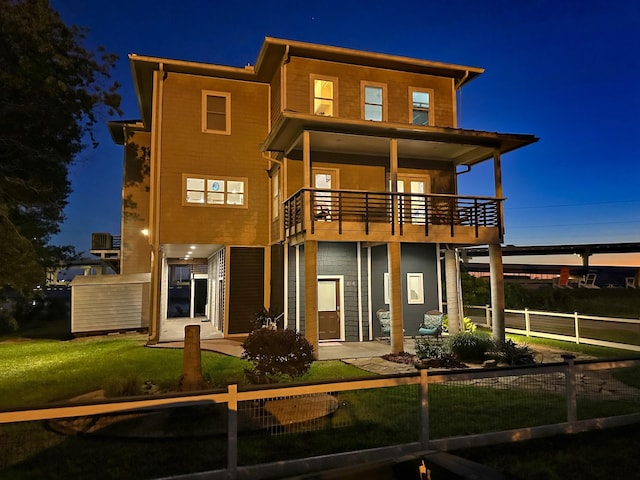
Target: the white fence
pixel 561 386
pixel 623 333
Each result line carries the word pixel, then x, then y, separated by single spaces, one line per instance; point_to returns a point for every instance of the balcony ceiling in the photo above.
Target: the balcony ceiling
pixel 328 134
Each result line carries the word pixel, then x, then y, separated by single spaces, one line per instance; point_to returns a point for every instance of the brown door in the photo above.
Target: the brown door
pixel 329 309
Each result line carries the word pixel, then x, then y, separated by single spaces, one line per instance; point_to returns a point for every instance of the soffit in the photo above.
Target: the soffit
pixel 327 134
pixel 198 250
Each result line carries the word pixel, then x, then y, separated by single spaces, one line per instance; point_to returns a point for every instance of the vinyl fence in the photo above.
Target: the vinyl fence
pixel 280 431
pixel 623 333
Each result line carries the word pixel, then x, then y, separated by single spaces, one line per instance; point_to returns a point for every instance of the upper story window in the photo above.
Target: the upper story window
pixel 215 191
pixel 420 106
pixel 374 96
pixel 324 94
pixel 216 112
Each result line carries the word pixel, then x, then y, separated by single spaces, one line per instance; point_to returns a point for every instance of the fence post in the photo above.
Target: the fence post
pixel 527 322
pixel 424 408
pixel 570 387
pixel 487 315
pixel 232 433
pixel 577 326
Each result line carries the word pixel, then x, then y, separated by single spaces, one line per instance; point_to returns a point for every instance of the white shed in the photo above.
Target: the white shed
pixel 103 303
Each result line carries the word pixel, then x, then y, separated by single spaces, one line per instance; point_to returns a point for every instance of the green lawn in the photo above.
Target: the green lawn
pixel 40 370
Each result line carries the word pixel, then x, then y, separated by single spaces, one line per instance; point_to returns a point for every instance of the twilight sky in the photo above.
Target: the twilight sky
pixel 565 71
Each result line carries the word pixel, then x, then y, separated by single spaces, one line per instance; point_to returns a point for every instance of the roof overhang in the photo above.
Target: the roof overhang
pixel 459 146
pixel 273 53
pixel 118 129
pixel 275 49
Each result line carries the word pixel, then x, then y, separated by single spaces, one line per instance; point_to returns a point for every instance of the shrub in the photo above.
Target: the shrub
pixel 276 355
pixel 511 353
pixel 426 348
pixel 469 326
pixel 468 346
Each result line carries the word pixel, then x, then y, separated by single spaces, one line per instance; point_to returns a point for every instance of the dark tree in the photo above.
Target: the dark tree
pixel 52 93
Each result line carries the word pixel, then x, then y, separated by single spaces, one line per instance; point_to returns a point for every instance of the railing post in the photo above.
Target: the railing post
pixel 527 322
pixel 576 321
pixel 424 408
pixel 232 431
pixel 570 387
pixel 487 315
pixel 339 212
pixel 475 217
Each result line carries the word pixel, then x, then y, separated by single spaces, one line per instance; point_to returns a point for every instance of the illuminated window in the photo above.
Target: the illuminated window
pixel 323 95
pixel 373 102
pixel 222 191
pixel 216 117
pixel 420 106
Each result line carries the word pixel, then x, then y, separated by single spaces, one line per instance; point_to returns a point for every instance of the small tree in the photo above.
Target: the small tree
pixel 276 355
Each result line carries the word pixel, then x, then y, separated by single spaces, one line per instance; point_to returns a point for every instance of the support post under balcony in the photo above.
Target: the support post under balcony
pixel 497 291
pixel 311 294
pixel 395 294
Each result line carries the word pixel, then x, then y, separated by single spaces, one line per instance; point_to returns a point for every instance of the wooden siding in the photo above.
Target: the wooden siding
pixel 108 303
pixel 276 96
pixel 134 249
pixel 187 150
pixel 370 173
pixel 246 287
pixel 349 101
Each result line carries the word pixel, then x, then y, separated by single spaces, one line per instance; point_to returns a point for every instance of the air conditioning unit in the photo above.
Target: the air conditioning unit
pixel 101 241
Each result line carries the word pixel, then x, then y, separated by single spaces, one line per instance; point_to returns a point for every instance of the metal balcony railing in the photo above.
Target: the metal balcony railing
pixel 398 210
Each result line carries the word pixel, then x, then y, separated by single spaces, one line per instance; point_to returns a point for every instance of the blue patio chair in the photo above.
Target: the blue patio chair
pixel 432 324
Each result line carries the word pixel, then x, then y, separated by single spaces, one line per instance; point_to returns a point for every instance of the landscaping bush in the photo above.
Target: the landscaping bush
pixel 469 326
pixel 511 353
pixel 8 323
pixel 468 346
pixel 276 355
pixel 426 348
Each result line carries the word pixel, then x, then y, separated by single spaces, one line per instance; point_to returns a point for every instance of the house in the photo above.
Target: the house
pixel 320 182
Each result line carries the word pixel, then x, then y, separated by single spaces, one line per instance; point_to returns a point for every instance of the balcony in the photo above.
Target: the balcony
pixel 107 247
pixel 349 215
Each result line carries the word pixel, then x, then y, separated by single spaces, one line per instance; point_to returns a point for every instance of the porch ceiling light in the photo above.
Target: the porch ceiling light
pixel 145 232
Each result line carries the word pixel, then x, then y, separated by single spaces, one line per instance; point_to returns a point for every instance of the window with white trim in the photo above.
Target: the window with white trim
pixel 216 112
pixel 323 95
pixel 373 101
pixel 420 106
pixel 215 191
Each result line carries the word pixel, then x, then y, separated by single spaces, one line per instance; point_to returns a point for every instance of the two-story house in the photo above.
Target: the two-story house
pixel 320 182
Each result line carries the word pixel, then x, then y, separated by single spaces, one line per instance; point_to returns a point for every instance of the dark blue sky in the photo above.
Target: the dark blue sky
pixel 565 71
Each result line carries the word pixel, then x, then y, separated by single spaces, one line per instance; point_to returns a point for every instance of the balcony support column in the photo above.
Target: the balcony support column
pixel 311 294
pixel 497 177
pixel 393 179
pixel 395 297
pixel 451 281
pixel 497 291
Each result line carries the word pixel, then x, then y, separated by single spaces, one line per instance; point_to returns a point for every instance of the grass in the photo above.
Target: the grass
pixel 610 453
pixel 41 370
